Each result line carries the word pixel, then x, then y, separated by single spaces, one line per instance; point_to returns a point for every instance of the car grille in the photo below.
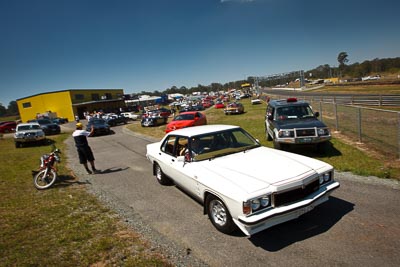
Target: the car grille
pixel 280 199
pixel 30 134
pixel 305 132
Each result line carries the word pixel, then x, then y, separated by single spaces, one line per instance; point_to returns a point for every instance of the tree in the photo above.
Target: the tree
pixel 342 59
pixel 12 108
pixel 3 110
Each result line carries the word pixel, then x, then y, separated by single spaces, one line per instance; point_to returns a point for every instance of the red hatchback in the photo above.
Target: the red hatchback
pixel 186 119
pixel 8 126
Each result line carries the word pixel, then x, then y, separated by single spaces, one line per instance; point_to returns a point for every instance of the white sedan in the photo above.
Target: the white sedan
pixel 240 183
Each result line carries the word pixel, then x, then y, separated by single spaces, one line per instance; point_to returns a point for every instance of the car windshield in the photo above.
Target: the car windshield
pixel 44 121
pixel 294 112
pixel 184 117
pixel 219 144
pixel 28 127
pixel 98 121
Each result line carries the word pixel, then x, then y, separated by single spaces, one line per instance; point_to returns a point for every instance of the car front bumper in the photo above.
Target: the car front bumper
pixel 29 139
pixel 304 140
pixel 259 222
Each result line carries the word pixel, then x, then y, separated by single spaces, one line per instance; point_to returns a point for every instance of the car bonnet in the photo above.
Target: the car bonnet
pixel 258 168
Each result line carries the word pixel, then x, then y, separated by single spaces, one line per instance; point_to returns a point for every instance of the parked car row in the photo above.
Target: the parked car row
pixel 48 126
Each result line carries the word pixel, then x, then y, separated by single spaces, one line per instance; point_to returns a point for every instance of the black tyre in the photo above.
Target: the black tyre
pixel 269 138
pixel 219 215
pixel 277 145
pixel 161 177
pixel 43 182
pixel 18 144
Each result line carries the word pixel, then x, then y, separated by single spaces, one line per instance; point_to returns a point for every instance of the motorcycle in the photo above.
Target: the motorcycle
pixel 47 173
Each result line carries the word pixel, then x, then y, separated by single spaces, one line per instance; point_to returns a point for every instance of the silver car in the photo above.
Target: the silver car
pixel 28 133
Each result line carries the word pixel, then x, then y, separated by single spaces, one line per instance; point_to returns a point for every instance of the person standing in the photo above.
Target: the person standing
pixel 84 151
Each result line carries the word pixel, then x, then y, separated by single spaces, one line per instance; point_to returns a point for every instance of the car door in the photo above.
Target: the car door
pixel 269 117
pixel 183 171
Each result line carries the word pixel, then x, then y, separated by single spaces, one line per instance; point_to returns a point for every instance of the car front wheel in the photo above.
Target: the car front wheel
pixel 219 215
pixel 269 138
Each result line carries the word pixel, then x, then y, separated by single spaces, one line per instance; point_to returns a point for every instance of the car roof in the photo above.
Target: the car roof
pixel 28 123
pixel 287 102
pixel 203 129
pixel 188 112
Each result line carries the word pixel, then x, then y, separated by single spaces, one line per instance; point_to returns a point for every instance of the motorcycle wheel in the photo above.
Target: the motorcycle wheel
pixel 42 182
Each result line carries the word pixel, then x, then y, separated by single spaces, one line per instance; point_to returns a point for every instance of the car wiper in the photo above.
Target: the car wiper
pixel 250 147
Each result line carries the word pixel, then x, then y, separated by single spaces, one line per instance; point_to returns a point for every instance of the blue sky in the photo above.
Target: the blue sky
pixel 147 45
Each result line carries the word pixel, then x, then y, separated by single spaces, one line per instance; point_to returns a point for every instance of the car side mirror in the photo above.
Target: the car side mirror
pixel 316 114
pixel 270 117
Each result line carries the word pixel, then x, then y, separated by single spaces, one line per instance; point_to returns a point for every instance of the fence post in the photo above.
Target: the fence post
pixel 398 133
pixel 359 126
pixel 336 117
pixel 320 110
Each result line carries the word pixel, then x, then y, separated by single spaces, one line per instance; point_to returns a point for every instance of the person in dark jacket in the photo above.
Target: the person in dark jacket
pixel 84 151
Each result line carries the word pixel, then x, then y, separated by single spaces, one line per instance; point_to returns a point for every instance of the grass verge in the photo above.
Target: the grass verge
pixel 62 226
pixel 343 154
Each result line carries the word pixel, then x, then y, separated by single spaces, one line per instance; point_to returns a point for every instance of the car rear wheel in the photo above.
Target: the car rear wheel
pixel 219 215
pixel 161 177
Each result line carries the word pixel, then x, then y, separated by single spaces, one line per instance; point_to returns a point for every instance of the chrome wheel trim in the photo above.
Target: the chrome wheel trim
pixel 159 173
pixel 218 212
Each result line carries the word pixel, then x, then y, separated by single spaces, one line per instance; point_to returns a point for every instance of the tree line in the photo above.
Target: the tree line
pixel 11 110
pixel 355 70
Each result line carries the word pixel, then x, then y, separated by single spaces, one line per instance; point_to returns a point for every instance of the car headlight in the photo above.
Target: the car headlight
pixel 324 178
pixel 285 133
pixel 323 131
pixel 264 201
pixel 256 204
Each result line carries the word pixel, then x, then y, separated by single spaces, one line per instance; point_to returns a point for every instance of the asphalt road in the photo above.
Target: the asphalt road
pixel 358 226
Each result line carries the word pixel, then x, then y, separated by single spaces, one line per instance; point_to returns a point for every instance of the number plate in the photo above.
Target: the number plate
pixel 305 140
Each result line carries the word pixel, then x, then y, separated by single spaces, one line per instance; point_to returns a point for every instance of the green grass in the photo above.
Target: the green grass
pixel 61 226
pixel 343 156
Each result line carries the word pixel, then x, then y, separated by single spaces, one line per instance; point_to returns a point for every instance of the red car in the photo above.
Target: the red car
pixel 8 126
pixel 186 119
pixel 219 105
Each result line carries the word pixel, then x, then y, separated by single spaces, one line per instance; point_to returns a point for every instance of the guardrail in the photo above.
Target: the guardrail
pixel 379 129
pixel 360 100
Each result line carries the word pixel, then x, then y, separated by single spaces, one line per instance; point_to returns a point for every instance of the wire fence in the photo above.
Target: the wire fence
pixel 379 129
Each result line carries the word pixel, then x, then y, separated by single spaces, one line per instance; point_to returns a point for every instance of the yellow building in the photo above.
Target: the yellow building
pixel 69 103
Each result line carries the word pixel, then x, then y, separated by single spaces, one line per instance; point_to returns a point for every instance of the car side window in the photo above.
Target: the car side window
pixel 168 145
pixel 181 146
pixel 270 112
